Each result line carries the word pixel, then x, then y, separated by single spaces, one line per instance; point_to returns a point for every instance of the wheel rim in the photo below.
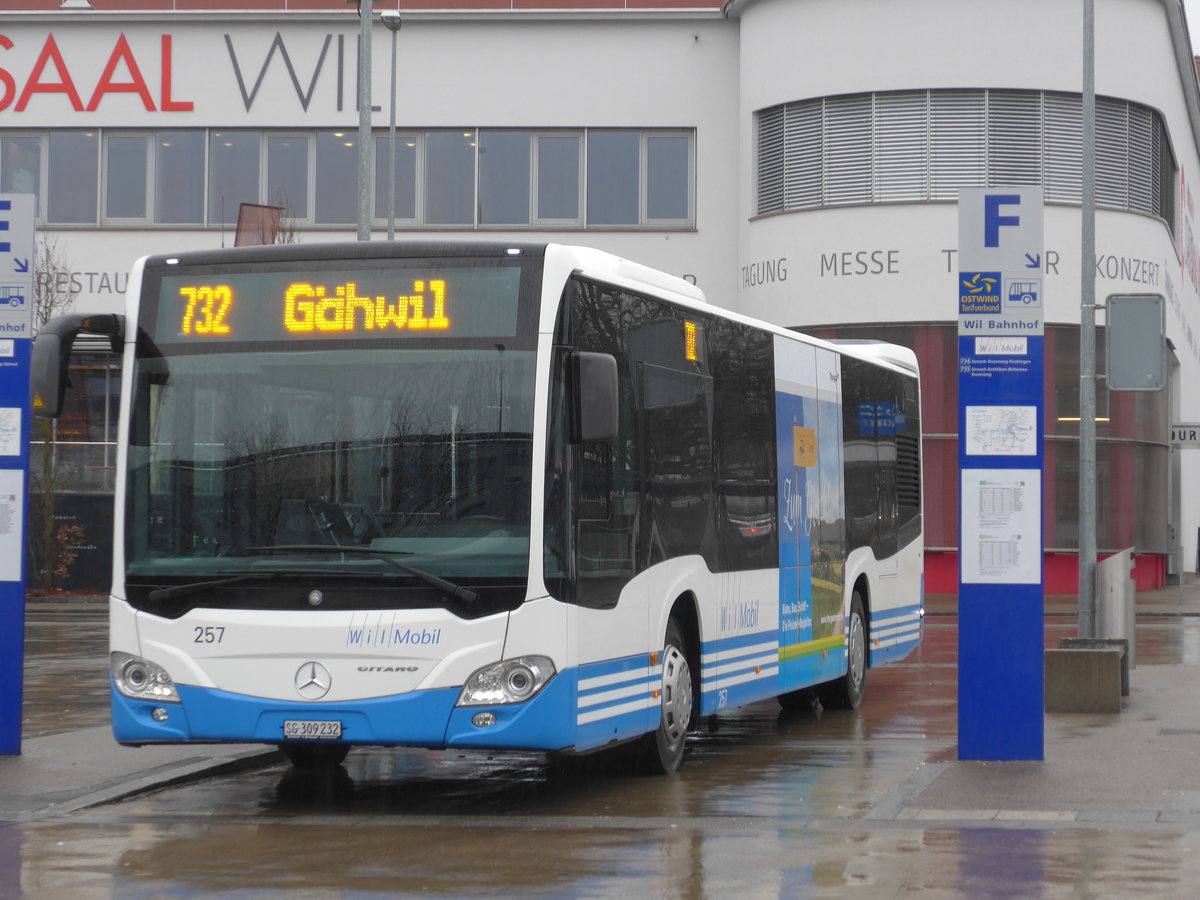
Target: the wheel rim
pixel 676 695
pixel 857 664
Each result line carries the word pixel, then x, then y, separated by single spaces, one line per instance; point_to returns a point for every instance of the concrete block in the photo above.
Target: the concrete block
pixel 1121 644
pixel 1083 680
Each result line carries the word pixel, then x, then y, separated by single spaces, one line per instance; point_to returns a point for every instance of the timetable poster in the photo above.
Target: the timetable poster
pixel 1001 526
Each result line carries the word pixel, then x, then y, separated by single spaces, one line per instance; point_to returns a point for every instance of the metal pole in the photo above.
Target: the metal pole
pixel 366 17
pixel 392 152
pixel 1087 338
pixel 392 21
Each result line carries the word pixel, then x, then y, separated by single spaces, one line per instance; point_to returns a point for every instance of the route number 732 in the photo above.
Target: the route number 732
pixel 206 309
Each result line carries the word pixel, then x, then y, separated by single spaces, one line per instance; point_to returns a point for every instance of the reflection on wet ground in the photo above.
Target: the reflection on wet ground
pixel 66 667
pixel 768 804
pixel 567 858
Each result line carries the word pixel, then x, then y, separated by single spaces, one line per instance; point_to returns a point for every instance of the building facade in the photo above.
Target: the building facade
pixel 800 159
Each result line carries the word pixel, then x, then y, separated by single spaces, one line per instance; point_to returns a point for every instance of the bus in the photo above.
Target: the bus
pixel 489 495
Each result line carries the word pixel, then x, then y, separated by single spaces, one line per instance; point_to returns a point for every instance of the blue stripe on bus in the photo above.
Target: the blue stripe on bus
pixel 616 701
pixel 592 735
pixel 894 633
pixel 724 645
pixel 728 667
pixel 738 670
pixel 897 613
pixel 598 678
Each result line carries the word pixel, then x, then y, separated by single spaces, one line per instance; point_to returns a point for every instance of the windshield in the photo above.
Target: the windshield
pixel 422 451
pixel 255 457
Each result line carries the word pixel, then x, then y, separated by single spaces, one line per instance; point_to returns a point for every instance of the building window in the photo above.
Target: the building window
pixel 20 165
pixel 450 177
pixel 668 177
pixel 287 174
pixel 179 178
pixel 558 178
pixel 504 176
pixel 405 198
pixel 72 177
pixel 126 166
pixel 337 178
pixel 233 168
pixel 84 438
pixel 613 177
pixel 917 146
pixel 463 178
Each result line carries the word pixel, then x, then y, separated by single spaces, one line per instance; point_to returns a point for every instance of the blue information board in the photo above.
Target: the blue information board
pixel 16 341
pixel 1001 462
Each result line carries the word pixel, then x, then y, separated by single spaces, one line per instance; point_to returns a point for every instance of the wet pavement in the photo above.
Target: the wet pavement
pixel 65 666
pixel 768 804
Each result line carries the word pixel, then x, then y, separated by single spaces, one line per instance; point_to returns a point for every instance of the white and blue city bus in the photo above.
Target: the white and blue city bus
pixel 486 495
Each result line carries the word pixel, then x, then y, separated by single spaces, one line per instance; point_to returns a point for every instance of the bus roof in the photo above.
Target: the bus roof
pixel 880 351
pixel 594 263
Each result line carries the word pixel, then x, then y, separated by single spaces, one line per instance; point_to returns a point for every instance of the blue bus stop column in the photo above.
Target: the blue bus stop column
pixel 14 490
pixel 1001 599
pixel 17 225
pixel 1001 432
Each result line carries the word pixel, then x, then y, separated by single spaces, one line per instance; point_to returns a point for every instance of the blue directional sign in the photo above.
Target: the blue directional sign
pixel 1000 389
pixel 16 340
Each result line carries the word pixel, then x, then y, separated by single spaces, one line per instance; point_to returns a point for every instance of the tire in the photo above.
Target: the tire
pixel 661 751
pixel 314 757
pixel 847 692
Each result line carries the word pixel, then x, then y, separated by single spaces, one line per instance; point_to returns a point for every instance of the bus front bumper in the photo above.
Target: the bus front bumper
pixel 419 719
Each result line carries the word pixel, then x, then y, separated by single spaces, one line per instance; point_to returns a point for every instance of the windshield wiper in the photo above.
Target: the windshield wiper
pixel 456 591
pixel 180 590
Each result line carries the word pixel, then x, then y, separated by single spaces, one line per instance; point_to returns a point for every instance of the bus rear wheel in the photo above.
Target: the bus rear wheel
pixel 661 751
pixel 847 692
pixel 314 757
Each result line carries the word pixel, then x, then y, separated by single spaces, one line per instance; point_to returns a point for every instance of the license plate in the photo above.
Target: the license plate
pixel 312 730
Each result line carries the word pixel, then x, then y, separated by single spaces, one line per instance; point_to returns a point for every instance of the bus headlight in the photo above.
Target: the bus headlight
pixel 508 681
pixel 141 679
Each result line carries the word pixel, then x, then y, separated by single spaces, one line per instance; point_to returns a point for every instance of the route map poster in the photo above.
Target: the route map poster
pixel 1002 430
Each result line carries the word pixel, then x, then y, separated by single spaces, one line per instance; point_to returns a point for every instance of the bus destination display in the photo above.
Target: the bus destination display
pixel 289 305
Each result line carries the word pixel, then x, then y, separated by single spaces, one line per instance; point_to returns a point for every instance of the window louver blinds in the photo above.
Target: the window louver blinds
pixel 915 146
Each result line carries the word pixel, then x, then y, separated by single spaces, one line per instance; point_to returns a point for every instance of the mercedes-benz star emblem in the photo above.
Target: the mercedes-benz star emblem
pixel 312 681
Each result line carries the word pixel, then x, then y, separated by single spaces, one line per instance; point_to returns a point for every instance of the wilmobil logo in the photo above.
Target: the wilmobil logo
pixel 374 632
pixel 1001 346
pixel 978 293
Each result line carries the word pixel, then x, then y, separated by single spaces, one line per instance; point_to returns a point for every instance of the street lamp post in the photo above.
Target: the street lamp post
pixel 366 16
pixel 1087 338
pixel 391 18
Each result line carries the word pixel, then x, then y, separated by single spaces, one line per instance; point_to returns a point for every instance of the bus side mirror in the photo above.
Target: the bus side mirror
pixel 52 352
pixel 593 397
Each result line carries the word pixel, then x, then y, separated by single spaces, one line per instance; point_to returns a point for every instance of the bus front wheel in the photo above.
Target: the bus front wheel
pixel 847 692
pixel 662 749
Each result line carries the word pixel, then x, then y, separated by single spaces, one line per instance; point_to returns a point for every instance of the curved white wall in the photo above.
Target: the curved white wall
pixel 896 262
